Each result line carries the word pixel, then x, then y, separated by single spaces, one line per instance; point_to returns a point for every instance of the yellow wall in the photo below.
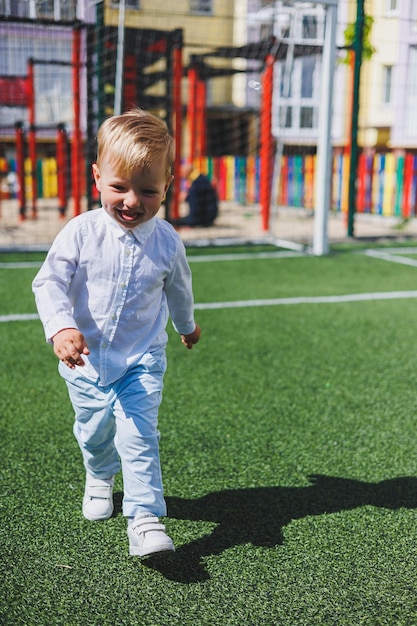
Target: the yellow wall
pixel 201 33
pixel 374 114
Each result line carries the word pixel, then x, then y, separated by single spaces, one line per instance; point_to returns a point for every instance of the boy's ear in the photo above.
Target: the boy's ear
pixel 97 177
pixel 169 181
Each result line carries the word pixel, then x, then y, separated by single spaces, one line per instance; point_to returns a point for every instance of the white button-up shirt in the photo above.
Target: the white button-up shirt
pixel 118 287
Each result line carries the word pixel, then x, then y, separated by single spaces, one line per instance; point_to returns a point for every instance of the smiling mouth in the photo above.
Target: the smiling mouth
pixel 129 216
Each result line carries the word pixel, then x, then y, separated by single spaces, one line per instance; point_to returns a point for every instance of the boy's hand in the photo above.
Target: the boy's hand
pixel 192 338
pixel 69 345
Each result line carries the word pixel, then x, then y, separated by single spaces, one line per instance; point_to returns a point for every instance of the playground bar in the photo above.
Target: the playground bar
pixel 61 161
pixel 266 141
pixel 32 134
pixel 76 138
pixel 20 168
pixel 201 118
pixel 191 111
pixel 177 59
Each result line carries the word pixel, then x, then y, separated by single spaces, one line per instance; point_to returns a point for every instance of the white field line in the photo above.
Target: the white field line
pixel 409 250
pixel 20 265
pixel 19 317
pixel 394 258
pixel 388 254
pixel 354 297
pixel 359 297
pixel 192 259
pixel 240 304
pixel 244 256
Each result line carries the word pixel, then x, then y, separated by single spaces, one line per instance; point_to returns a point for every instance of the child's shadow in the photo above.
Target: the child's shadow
pixel 258 515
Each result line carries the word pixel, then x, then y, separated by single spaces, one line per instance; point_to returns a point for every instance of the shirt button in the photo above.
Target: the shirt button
pixel 122 284
pixel 104 345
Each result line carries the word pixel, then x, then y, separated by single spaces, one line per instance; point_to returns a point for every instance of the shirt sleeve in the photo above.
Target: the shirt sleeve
pixel 50 286
pixel 178 289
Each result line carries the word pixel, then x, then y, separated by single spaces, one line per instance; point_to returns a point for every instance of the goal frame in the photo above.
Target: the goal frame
pixel 324 171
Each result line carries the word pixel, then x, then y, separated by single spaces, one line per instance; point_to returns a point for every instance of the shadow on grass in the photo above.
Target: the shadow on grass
pixel 258 515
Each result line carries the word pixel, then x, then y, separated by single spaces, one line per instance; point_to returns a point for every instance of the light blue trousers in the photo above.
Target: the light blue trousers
pixel 116 427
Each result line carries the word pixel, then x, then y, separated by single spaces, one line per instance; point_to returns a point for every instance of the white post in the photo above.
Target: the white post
pixel 118 87
pixel 324 144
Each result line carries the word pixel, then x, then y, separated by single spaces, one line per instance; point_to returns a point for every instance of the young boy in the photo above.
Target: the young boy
pixel 104 293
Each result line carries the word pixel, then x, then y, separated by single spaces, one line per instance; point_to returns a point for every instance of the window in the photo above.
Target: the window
pixel 297 97
pixel 67 8
pixel 309 27
pixel 266 31
pixel 14 8
pixel 411 124
pixel 309 24
pixel 306 117
pixel 392 6
pixel 46 9
pixel 414 14
pixel 387 84
pixel 129 4
pixel 288 117
pixel 308 65
pixel 52 82
pixel 202 7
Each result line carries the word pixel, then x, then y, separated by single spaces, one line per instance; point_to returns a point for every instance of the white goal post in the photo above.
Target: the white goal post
pixel 323 174
pixel 324 145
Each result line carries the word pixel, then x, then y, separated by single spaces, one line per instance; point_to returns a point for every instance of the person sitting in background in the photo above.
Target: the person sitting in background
pixel 201 198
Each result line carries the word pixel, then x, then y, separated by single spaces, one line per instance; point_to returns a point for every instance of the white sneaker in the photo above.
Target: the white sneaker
pixel 98 498
pixel 147 536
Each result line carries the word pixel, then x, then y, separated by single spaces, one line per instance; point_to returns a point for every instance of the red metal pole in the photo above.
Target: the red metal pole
pixel 266 141
pixel 191 111
pixel 408 185
pixel 177 57
pixel 3 174
pixel 347 150
pixel 61 161
pixel 20 169
pixel 32 135
pixel 76 137
pixel 201 119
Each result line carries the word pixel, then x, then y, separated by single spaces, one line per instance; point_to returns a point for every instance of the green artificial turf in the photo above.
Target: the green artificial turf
pixel 288 451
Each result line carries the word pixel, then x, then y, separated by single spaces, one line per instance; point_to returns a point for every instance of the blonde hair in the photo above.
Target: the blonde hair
pixel 133 140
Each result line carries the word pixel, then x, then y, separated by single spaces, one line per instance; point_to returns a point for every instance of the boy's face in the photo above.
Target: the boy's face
pixel 134 199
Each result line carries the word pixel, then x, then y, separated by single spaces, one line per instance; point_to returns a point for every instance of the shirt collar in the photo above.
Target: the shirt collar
pixel 140 232
pixel 143 231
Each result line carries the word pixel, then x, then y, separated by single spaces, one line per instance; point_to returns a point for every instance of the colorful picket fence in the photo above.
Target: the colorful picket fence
pixel 46 177
pixel 386 182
